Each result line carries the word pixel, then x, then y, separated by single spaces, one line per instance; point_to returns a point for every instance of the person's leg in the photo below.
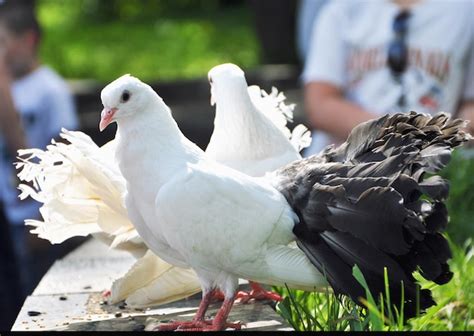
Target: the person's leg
pixel 10 293
pixel 23 253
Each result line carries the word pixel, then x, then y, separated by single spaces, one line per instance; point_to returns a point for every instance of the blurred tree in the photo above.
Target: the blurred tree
pixel 152 39
pixel 132 10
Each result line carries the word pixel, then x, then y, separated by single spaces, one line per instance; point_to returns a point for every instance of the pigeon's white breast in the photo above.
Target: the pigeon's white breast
pixel 143 184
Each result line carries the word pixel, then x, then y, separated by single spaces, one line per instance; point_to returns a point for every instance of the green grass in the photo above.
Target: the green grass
pixel 460 174
pixel 316 311
pixel 164 46
pixel 455 300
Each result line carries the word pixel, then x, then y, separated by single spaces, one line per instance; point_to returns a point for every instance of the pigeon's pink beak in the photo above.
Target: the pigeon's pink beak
pixel 106 117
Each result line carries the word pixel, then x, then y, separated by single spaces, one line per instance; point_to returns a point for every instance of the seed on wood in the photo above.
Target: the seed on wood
pixel 33 313
pixel 119 314
pixel 63 298
pixel 139 327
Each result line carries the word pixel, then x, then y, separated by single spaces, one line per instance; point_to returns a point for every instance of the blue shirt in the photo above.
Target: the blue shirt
pixel 43 100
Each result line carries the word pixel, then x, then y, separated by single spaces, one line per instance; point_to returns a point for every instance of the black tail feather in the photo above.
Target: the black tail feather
pixel 361 204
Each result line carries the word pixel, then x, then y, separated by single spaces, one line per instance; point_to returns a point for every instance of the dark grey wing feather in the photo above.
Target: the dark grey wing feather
pixel 366 202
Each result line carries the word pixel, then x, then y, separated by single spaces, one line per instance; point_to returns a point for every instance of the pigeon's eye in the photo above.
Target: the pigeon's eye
pixel 210 79
pixel 125 96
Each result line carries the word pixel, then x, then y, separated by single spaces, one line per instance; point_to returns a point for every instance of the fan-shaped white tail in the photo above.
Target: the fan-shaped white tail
pixel 80 187
pixel 273 106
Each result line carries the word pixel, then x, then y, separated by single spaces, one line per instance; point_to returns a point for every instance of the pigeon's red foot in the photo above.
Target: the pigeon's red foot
pixel 207 325
pixel 106 293
pixel 258 293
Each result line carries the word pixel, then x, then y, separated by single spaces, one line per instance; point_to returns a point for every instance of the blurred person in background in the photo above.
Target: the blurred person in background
pixel 368 58
pixel 306 16
pixel 34 104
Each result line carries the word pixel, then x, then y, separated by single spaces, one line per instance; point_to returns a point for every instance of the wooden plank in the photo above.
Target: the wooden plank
pixel 86 312
pixel 68 298
pixel 94 272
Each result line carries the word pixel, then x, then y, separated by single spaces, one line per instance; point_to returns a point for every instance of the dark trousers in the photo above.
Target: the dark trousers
pixel 11 297
pixel 24 259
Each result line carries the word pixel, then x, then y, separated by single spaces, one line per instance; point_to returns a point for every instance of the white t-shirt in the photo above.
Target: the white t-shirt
pixel 45 104
pixel 349 49
pixel 307 14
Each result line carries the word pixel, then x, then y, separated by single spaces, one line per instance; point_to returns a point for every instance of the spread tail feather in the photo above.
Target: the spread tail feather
pixel 361 204
pixel 80 188
pixel 273 106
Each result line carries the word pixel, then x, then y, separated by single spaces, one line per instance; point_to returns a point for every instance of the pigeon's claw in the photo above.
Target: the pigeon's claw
pixel 207 325
pixel 258 293
pixel 181 325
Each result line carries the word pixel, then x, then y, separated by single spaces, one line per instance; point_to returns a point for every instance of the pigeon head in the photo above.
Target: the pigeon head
pixel 225 78
pixel 124 97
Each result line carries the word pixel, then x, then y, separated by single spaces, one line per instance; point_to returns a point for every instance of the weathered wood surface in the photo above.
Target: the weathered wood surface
pixel 68 298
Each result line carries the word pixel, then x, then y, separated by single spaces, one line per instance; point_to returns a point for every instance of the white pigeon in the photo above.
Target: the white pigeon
pixel 274 221
pixel 251 133
pixel 248 135
pixel 82 163
pixel 194 212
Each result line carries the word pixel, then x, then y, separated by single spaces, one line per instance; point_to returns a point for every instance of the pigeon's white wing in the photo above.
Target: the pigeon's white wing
pixel 273 106
pixel 151 281
pixel 224 216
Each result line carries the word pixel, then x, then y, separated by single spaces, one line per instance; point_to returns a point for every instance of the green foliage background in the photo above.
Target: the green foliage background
pixel 154 40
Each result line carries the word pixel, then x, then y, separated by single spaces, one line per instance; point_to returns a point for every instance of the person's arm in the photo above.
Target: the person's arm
pixel 329 111
pixel 10 121
pixel 325 74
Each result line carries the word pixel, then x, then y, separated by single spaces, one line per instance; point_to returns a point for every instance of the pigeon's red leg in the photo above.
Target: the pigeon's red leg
pixel 197 324
pixel 198 320
pixel 258 293
pixel 206 300
pixel 220 320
